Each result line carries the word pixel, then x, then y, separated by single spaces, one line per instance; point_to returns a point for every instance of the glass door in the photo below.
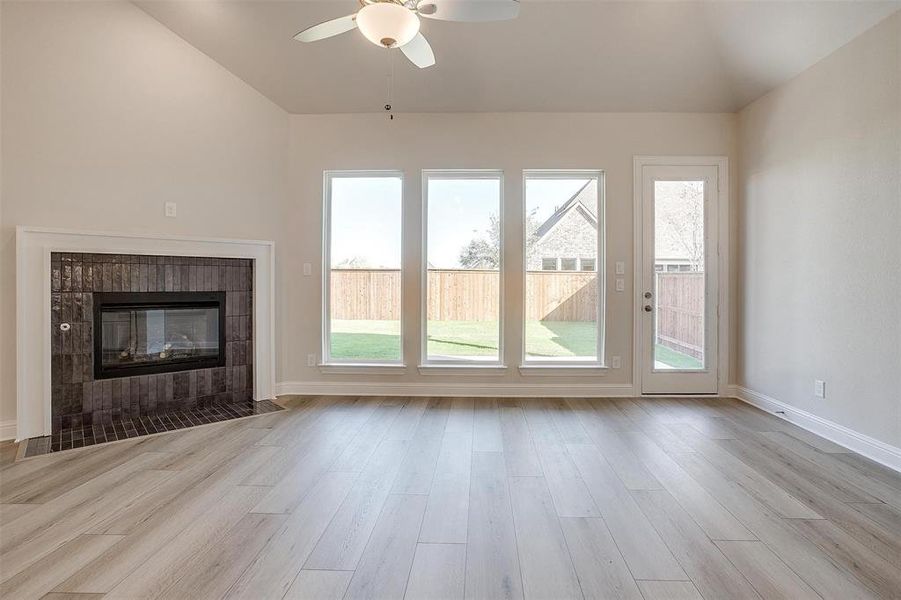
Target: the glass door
pixel 678 303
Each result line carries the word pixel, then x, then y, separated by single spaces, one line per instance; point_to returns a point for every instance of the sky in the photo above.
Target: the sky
pixel 366 215
pixel 547 195
pixel 366 220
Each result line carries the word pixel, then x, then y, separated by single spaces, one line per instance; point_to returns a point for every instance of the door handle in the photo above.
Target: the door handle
pixel 647 308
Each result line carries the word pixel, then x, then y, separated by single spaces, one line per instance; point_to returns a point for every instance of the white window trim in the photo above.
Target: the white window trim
pixel 462 368
pixel 567 369
pixel 328 362
pixel 570 367
pixel 427 365
pixel 362 368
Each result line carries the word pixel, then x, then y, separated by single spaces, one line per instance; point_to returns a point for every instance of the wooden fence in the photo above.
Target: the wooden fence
pixel 561 296
pixel 458 295
pixel 680 312
pixel 368 294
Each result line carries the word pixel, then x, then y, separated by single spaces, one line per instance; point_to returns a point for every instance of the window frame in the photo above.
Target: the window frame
pixel 424 361
pixel 326 359
pixel 600 360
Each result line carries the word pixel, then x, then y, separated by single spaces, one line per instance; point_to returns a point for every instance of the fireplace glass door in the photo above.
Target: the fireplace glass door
pixel 157 332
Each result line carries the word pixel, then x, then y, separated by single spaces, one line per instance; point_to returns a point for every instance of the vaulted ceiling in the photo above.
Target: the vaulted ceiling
pixel 559 55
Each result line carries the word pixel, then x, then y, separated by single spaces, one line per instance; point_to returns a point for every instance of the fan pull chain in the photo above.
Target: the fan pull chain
pixel 388 107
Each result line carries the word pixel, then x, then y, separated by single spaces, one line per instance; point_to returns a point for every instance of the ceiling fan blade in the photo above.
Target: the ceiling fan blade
pixel 327 29
pixel 469 10
pixel 419 52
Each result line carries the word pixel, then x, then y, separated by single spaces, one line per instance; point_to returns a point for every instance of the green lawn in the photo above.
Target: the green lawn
pixel 675 359
pixel 380 340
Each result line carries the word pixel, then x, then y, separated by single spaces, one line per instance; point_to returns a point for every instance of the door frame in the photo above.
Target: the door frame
pixel 721 163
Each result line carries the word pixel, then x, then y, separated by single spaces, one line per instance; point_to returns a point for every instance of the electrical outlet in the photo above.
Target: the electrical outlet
pixel 620 267
pixel 311 360
pixel 819 388
pixel 620 284
pixel 307 269
pixel 616 362
pixel 170 209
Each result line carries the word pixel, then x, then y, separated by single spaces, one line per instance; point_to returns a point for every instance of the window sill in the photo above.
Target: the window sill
pixel 462 369
pixel 362 369
pixel 554 370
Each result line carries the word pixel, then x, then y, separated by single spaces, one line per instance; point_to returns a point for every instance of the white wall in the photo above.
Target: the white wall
pixel 106 114
pixel 820 229
pixel 508 141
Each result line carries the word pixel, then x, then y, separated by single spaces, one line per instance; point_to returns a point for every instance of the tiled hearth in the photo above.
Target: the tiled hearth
pixel 79 437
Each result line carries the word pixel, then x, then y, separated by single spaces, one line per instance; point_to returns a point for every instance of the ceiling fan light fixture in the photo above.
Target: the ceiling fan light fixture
pixel 387 24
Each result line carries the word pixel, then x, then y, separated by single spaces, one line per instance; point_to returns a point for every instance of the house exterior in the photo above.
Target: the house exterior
pixel 568 239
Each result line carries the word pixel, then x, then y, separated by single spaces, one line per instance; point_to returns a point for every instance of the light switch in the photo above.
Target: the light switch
pixel 170 209
pixel 620 267
pixel 616 362
pixel 307 269
pixel 620 284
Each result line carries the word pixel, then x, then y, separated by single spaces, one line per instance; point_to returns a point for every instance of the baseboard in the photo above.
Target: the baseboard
pixel 883 453
pixel 378 388
pixel 7 430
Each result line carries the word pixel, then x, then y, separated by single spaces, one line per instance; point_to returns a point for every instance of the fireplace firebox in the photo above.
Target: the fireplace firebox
pixel 142 333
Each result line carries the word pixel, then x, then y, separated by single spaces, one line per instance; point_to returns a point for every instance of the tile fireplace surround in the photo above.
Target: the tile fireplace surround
pixel 78 399
pixel 58 391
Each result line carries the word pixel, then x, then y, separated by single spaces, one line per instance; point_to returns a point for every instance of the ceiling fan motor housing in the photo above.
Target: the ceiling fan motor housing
pixel 387 24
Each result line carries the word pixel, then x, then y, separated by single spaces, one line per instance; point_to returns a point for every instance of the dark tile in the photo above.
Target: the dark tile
pixel 107 394
pixel 87 397
pixel 56 276
pixel 106 284
pixel 152 278
pixel 180 386
pixel 217 380
pixel 117 277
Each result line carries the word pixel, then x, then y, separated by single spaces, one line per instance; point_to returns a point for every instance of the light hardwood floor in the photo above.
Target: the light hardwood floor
pixel 457 498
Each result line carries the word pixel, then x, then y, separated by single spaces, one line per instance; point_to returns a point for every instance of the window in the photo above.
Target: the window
pixel 548 264
pixel 564 217
pixel 362 267
pixel 463 215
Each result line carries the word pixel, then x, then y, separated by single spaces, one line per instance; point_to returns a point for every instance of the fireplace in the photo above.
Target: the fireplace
pixel 137 337
pixel 142 333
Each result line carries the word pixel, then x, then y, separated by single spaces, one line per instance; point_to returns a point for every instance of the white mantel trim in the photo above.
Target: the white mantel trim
pixel 33 248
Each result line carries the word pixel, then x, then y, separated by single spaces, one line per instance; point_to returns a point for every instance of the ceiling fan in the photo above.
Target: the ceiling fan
pixel 395 23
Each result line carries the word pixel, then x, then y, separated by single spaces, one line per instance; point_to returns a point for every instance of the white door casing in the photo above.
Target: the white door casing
pixel 652 375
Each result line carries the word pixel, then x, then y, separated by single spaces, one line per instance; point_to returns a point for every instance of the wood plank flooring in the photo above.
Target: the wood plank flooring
pixel 432 498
